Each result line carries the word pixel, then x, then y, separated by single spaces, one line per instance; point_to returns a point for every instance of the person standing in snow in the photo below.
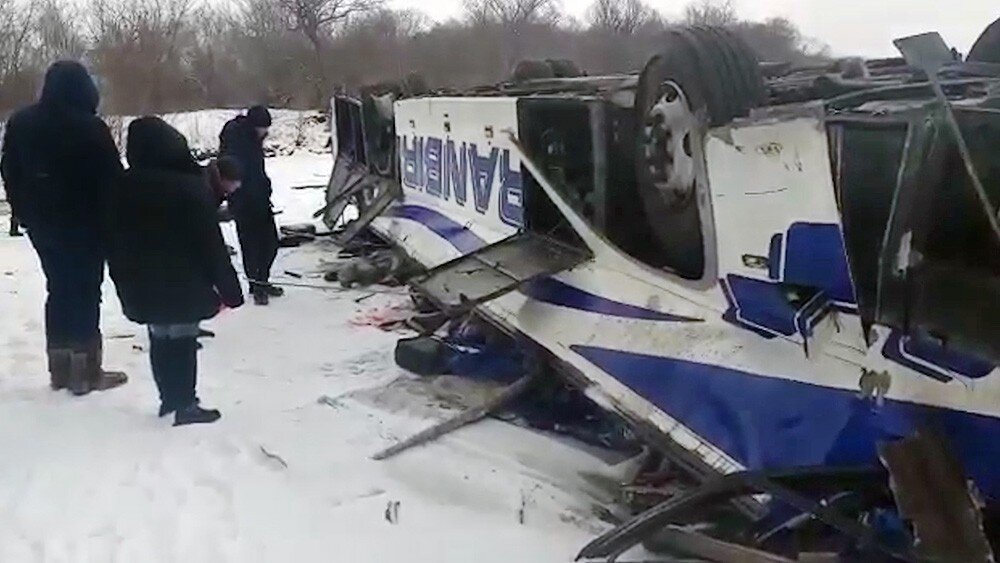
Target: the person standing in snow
pixel 168 259
pixel 242 138
pixel 59 162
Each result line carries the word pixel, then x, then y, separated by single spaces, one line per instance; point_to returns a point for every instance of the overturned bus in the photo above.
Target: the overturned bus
pixel 767 270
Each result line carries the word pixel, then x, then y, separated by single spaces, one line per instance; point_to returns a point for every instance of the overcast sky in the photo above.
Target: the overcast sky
pixel 849 27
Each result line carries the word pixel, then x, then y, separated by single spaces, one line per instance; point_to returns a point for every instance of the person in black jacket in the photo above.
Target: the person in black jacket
pixel 168 259
pixel 59 162
pixel 243 139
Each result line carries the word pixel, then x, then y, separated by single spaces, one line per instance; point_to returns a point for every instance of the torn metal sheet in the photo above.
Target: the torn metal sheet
pixel 460 285
pixel 384 192
pixel 790 487
pixel 344 180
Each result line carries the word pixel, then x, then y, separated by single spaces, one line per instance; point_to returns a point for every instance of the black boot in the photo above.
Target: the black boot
pixel 59 367
pixel 79 377
pixel 160 364
pixel 259 292
pixel 101 379
pixel 175 367
pixel 273 290
pixel 15 227
pixel 194 414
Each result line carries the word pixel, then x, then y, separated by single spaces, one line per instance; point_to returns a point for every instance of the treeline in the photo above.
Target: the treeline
pixel 155 56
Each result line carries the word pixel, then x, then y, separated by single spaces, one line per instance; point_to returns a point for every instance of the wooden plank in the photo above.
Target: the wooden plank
pixel 931 491
pixel 464 419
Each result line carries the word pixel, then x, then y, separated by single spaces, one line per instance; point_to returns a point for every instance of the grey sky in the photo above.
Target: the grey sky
pixel 849 27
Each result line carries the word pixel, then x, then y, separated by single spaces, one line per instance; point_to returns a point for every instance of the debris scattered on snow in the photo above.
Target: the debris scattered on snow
pixel 392 512
pixel 465 418
pixel 274 457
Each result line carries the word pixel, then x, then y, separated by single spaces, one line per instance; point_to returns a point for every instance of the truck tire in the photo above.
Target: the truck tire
pixel 986 49
pixel 530 69
pixel 564 68
pixel 702 77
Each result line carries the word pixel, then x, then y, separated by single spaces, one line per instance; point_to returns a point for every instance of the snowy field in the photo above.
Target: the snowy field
pixel 284 476
pixel 291 132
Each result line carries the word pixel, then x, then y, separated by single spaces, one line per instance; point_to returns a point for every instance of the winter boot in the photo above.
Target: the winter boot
pixel 161 364
pixel 259 292
pixel 59 366
pixel 273 290
pixel 79 373
pixel 194 414
pixel 101 380
pixel 174 367
pixel 15 227
pixel 187 354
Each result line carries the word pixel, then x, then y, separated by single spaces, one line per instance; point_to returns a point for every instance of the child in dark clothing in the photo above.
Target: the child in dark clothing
pixel 224 177
pixel 168 259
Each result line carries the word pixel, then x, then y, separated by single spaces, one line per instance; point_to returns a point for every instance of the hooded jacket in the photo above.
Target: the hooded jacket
pixel 239 140
pixel 59 159
pixel 167 256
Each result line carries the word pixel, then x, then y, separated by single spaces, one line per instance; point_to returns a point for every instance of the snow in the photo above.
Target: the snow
pixel 291 131
pixel 306 398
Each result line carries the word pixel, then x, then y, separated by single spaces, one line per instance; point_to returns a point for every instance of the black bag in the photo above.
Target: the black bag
pixel 423 355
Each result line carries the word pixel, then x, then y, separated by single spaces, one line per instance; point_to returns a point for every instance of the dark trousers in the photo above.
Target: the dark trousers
pixel 74 270
pixel 173 357
pixel 258 236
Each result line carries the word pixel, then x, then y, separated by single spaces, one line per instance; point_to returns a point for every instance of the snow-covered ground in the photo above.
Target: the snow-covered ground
pixel 284 476
pixel 291 131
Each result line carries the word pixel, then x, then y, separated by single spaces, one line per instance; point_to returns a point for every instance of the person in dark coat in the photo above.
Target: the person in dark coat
pixel 59 163
pixel 168 259
pixel 242 138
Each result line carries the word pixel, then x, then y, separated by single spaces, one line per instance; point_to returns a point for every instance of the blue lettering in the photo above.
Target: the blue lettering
pixel 457 172
pixel 433 167
pixel 483 172
pixel 408 156
pixel 418 147
pixel 511 198
pixel 443 167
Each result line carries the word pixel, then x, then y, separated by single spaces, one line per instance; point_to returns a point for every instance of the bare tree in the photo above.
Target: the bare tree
pixel 316 18
pixel 411 22
pixel 777 39
pixel 513 14
pixel 57 35
pixel 136 44
pixel 16 21
pixel 619 16
pixel 510 27
pixel 710 12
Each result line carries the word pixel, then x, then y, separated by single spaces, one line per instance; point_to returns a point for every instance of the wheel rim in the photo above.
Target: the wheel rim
pixel 667 146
